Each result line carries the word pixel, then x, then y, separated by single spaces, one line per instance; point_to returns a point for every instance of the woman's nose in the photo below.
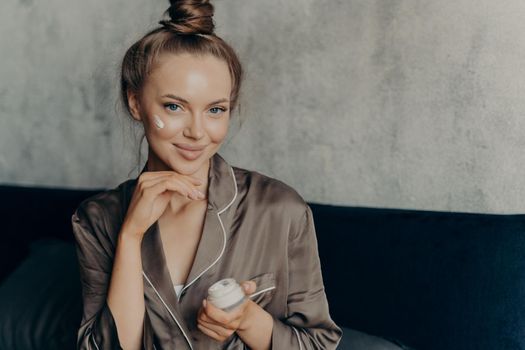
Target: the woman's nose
pixel 194 128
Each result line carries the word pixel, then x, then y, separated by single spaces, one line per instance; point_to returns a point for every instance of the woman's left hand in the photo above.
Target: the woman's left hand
pixel 219 324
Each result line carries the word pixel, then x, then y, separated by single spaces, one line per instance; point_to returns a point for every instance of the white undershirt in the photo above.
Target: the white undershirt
pixel 178 288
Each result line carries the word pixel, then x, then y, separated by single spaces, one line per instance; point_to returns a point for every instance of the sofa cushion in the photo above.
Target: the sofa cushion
pixel 355 340
pixel 40 301
pixel 433 280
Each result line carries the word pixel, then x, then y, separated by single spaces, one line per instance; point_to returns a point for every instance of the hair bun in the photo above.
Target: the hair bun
pixel 190 17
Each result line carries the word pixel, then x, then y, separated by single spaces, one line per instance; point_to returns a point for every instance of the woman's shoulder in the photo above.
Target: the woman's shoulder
pixel 269 191
pixel 109 203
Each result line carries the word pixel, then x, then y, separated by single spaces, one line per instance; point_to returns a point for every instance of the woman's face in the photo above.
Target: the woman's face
pixel 184 104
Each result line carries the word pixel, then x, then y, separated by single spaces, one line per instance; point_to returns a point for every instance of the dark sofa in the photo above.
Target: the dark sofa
pixel 431 280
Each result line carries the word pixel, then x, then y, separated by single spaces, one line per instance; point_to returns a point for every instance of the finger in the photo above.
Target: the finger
pixel 214 313
pixel 148 175
pixel 191 185
pixel 233 324
pixel 154 174
pixel 144 189
pixel 187 188
pixel 220 330
pixel 249 287
pixel 152 181
pixel 167 185
pixel 192 188
pixel 202 316
pixel 210 333
pixel 219 316
pixel 194 180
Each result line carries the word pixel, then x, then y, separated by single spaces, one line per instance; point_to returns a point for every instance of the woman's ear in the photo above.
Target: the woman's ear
pixel 134 106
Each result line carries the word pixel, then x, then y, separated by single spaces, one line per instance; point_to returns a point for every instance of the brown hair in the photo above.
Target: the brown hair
pixel 189 29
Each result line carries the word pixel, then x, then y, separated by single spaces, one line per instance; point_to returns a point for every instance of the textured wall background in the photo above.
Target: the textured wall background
pixel 385 103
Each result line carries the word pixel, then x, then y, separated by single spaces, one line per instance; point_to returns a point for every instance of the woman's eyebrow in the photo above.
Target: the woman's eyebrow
pixel 175 97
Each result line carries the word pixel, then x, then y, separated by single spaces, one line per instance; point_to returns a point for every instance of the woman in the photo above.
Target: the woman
pixel 150 248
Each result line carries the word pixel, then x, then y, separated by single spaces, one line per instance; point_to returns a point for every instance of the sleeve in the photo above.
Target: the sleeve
pixel 97 329
pixel 308 324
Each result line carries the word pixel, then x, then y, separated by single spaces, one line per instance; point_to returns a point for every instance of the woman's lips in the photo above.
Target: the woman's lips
pixel 189 154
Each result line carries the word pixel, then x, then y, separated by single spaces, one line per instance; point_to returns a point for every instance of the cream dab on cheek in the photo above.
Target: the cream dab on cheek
pixel 158 122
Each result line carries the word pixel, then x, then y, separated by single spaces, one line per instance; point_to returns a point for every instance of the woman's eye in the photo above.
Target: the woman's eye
pixel 172 107
pixel 217 110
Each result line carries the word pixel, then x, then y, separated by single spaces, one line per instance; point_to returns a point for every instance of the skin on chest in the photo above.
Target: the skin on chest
pixel 180 235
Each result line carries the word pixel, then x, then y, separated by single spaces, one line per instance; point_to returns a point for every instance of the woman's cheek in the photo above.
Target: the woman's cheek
pixel 166 127
pixel 218 131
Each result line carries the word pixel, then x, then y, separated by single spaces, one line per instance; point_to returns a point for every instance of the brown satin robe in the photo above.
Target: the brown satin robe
pixel 256 228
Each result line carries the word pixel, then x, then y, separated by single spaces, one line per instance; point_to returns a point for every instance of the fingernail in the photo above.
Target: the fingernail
pixel 204 302
pixel 192 195
pixel 197 194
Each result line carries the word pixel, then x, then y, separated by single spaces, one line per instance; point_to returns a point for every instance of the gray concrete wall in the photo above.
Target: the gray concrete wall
pixel 383 103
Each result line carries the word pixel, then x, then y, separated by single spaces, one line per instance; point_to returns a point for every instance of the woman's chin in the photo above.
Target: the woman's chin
pixel 187 167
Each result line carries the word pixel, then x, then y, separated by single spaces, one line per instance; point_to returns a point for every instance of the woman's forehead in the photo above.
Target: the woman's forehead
pixel 188 75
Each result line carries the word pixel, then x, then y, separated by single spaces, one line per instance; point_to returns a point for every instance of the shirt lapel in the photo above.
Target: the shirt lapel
pixel 156 273
pixel 222 191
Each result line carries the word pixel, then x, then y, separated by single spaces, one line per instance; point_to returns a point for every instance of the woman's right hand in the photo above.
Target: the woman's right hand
pixel 152 193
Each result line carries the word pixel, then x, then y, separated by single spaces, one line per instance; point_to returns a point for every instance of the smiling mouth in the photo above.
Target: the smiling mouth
pixel 188 153
pixel 189 147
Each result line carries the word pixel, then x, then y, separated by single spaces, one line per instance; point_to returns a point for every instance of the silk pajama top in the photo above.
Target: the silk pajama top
pixel 256 228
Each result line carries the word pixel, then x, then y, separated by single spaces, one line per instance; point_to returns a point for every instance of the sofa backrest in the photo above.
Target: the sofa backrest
pixel 31 213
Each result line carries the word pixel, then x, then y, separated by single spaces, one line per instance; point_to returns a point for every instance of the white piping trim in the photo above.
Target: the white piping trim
pixel 298 338
pixel 223 232
pixel 167 308
pixel 235 196
pixel 94 341
pixel 261 291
